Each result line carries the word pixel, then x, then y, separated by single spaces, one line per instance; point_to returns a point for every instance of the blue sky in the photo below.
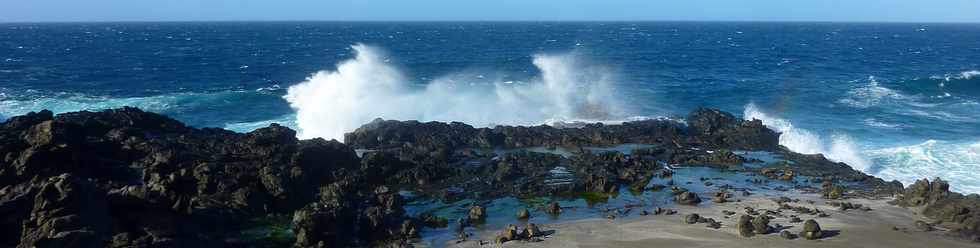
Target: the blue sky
pixel 480 10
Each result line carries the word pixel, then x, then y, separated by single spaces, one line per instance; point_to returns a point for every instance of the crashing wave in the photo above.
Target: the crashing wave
pixel 954 161
pixel 842 148
pixel 330 103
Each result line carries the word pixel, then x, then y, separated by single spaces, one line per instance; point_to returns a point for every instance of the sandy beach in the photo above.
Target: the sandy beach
pixel 884 226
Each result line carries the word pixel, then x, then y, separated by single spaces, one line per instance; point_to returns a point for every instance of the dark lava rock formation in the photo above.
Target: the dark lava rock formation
pixel 128 178
pixel 957 212
pixel 124 177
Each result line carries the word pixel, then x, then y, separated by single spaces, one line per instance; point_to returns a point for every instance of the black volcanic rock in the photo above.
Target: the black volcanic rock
pixel 135 178
pixel 708 127
pixel 720 129
pixel 957 212
pixel 128 178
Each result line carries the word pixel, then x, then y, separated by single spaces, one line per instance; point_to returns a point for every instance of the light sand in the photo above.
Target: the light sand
pixel 856 228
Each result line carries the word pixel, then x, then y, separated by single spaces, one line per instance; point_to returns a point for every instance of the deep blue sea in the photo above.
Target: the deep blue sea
pixel 899 101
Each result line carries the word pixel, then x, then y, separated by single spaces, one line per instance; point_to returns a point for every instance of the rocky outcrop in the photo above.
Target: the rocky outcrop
pixel 711 128
pixel 67 212
pixel 125 177
pixel 957 212
pixel 151 181
pixel 715 128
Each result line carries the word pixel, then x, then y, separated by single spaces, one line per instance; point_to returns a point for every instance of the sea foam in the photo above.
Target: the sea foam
pixel 330 103
pixel 842 148
pixel 957 162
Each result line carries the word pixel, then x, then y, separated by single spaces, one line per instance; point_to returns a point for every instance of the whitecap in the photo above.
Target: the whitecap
pixel 330 103
pixel 872 122
pixel 957 162
pixel 872 94
pixel 842 148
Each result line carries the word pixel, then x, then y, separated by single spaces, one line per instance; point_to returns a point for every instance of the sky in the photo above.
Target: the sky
pixel 491 10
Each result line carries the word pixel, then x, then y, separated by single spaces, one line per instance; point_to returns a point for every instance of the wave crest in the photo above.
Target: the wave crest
pixel 842 148
pixel 330 103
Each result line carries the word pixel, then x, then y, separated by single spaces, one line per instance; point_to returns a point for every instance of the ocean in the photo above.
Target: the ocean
pixel 899 101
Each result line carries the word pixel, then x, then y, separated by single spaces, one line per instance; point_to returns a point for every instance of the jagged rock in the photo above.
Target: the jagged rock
pixel 811 230
pixel 713 124
pixel 67 212
pixel 960 212
pixel 165 184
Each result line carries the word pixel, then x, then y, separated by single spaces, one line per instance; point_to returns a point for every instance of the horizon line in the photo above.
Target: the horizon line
pixel 491 21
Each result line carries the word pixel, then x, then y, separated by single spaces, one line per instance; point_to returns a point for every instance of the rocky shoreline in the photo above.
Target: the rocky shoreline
pixel 128 178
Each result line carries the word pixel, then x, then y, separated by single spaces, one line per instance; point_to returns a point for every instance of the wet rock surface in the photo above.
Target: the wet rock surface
pixel 128 178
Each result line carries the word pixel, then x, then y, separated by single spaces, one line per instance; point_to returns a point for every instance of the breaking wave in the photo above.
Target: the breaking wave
pixel 957 162
pixel 330 103
pixel 842 148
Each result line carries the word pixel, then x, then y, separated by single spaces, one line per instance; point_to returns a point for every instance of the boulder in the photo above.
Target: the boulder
pixel 477 214
pixel 509 233
pixel 832 191
pixel 745 226
pixel 687 198
pixel 811 230
pixel 692 218
pixel 760 225
pixel 523 214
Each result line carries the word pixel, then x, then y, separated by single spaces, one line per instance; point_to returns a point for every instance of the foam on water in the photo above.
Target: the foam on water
pixel 957 162
pixel 11 106
pixel 243 127
pixel 842 148
pixel 873 94
pixel 330 103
